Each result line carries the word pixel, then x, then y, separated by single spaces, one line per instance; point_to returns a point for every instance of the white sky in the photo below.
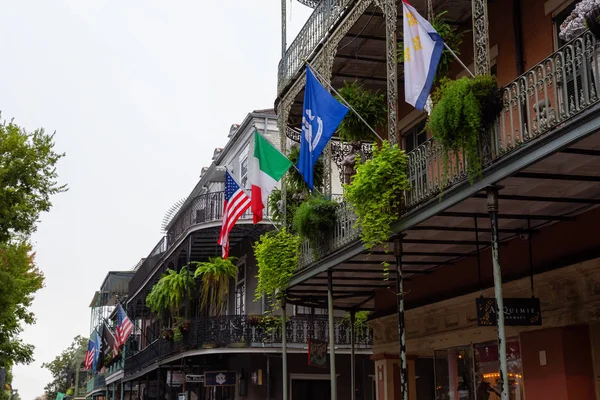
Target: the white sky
pixel 139 93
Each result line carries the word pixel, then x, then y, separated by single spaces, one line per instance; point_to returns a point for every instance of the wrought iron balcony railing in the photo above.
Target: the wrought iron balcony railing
pixel 97 382
pixel 243 331
pixel 535 104
pixel 325 16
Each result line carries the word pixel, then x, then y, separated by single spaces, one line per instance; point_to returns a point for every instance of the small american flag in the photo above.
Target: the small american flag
pixel 124 326
pixel 236 203
pixel 89 354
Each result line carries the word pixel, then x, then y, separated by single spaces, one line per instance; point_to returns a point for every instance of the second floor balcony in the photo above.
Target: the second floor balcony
pixel 537 107
pixel 248 331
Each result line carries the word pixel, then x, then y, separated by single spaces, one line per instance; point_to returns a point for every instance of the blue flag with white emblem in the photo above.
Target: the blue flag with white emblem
pixel 321 115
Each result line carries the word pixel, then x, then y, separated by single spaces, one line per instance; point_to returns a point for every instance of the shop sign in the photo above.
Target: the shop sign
pixel 178 378
pixel 220 378
pixel 194 378
pixel 517 312
pixel 317 353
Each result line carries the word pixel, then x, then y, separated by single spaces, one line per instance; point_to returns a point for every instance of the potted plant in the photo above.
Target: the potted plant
pixel 376 210
pixel 584 15
pixel 167 333
pixel 463 110
pixel 371 106
pixel 215 275
pixel 452 37
pixel 169 292
pixel 314 218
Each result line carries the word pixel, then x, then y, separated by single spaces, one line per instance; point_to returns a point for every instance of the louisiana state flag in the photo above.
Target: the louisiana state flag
pixel 423 48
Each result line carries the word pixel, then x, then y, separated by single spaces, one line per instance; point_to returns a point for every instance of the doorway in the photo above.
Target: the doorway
pixel 313 389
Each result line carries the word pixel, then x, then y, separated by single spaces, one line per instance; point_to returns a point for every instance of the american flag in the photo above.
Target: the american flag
pixel 89 354
pixel 236 203
pixel 124 326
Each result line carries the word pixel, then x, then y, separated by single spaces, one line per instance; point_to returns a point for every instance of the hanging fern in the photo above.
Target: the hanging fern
pixel 215 275
pixel 369 105
pixel 463 109
pixel 276 255
pixel 314 218
pixel 170 291
pixel 376 193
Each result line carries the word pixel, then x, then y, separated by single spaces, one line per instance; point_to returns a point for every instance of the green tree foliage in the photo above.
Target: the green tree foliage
pixel 19 280
pixel 63 367
pixel 276 255
pixel 376 193
pixel 314 218
pixel 28 178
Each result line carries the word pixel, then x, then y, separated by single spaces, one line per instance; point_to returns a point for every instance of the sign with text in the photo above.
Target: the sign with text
pixel 194 378
pixel 317 353
pixel 517 312
pixel 220 378
pixel 176 380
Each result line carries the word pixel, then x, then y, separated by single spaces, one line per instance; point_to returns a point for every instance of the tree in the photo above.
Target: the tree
pixel 63 367
pixel 20 279
pixel 27 178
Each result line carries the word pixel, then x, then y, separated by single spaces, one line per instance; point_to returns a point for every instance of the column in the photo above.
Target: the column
pixel 492 204
pixel 286 392
pixel 352 357
pixel 481 40
pixel 401 330
pixel 332 373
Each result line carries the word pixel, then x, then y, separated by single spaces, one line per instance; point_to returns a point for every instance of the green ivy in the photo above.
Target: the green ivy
pixel 376 193
pixel 215 274
pixel 169 292
pixel 276 255
pixel 462 109
pixel 369 105
pixel 451 36
pixel 314 218
pixel 360 323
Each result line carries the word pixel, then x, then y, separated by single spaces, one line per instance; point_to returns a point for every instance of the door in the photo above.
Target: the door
pixel 303 389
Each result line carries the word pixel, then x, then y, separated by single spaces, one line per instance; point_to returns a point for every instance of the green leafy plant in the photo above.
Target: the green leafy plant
pixel 463 109
pixel 451 36
pixel 376 192
pixel 314 218
pixel 371 106
pixel 276 255
pixel 295 181
pixel 170 291
pixel 215 274
pixel 360 323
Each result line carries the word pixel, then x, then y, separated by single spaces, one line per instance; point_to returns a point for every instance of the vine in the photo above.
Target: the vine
pixel 369 105
pixel 463 108
pixel 276 255
pixel 360 323
pixel 376 193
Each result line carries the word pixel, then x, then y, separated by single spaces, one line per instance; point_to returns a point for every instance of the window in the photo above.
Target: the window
pixel 244 167
pixel 240 290
pixel 415 136
pixel 558 19
pixel 301 310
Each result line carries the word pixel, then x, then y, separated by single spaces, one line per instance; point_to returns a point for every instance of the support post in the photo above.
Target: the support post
pixel 268 378
pixel 481 39
pixel 286 392
pixel 401 333
pixel 332 373
pixel 122 391
pixel 492 204
pixel 390 12
pixel 187 289
pixel 283 28
pixel 352 356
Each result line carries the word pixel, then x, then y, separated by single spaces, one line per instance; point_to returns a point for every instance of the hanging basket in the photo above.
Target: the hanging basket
pixel 592 20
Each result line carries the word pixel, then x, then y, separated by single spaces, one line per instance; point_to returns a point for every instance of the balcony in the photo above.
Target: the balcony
pixel 544 100
pixel 234 331
pixel 205 209
pixel 98 382
pixel 323 19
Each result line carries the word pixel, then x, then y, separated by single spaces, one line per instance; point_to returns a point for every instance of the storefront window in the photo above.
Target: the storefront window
pixel 472 372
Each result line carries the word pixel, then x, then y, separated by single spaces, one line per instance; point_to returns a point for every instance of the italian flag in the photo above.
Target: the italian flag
pixel 266 169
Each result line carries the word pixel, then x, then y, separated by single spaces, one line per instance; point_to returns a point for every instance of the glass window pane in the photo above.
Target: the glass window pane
pixel 454 374
pixel 487 370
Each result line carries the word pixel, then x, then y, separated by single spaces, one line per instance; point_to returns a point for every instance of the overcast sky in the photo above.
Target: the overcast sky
pixel 139 93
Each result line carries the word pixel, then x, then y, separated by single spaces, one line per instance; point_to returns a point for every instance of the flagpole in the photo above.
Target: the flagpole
pixel 458 59
pixel 343 100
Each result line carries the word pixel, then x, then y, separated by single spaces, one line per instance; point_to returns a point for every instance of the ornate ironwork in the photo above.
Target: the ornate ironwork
pixel 311 3
pixel 340 150
pixel 248 331
pixel 546 97
pixel 481 39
